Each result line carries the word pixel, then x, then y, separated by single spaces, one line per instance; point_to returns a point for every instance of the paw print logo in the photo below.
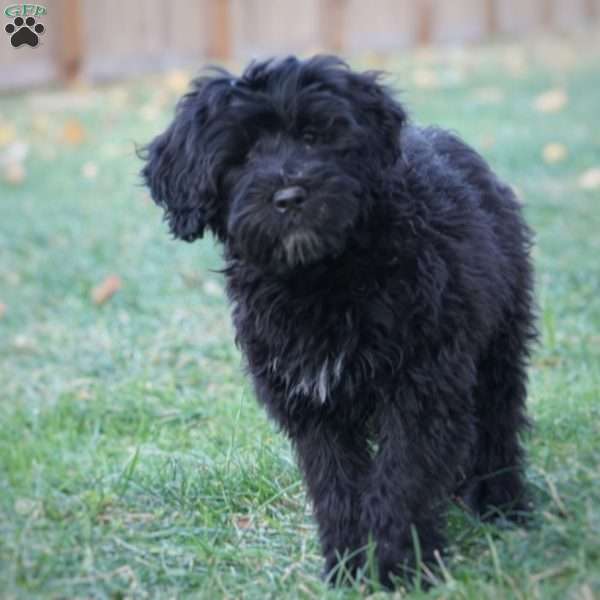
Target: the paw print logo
pixel 24 32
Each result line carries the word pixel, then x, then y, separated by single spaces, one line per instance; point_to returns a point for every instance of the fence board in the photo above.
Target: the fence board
pixel 568 16
pixel 71 38
pixel 218 20
pixel 459 20
pixel 520 16
pixel 332 30
pixel 379 26
pixel 264 27
pixel 123 38
pixel 114 38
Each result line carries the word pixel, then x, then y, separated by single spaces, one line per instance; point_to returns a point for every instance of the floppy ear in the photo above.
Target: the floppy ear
pixel 384 114
pixel 182 164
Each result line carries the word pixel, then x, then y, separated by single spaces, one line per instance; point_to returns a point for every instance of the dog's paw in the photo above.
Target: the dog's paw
pixel 405 571
pixel 498 501
pixel 410 563
pixel 24 32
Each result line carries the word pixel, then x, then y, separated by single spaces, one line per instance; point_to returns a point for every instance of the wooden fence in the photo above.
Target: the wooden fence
pixel 107 39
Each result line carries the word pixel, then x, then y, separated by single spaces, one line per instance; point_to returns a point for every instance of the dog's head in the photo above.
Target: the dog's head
pixel 282 164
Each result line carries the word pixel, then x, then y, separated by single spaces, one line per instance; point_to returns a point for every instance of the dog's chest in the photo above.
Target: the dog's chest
pixel 321 348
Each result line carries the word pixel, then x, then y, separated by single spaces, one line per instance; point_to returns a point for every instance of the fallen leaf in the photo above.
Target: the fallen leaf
pixel 40 124
pixel 2 309
pixel 590 179
pixel 22 342
pixel 586 592
pixel 105 290
pixel 25 506
pixel 425 78
pixel 557 56
pixel 489 95
pixel 14 152
pixel 487 141
pixel 84 394
pixel 7 133
pixel 112 150
pixel 177 81
pixel 149 112
pixel 554 152
pixel 375 61
pixel 212 288
pixel 118 98
pixel 89 170
pixel 551 101
pixel 12 277
pixel 65 101
pixel 14 173
pixel 47 152
pixel 73 132
pixel 515 61
pixel 426 54
pixel 549 361
pixel 243 522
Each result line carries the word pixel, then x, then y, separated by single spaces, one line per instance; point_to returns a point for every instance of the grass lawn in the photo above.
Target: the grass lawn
pixel 134 461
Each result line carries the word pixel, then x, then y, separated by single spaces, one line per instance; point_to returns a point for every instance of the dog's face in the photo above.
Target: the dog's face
pixel 282 164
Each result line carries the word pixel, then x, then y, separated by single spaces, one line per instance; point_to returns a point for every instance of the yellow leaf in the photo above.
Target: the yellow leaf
pixel 118 98
pixel 40 124
pixel 14 173
pixel 375 61
pixel 7 133
pixel 425 78
pixel 590 179
pixel 551 101
pixel 73 132
pixel 149 112
pixel 177 81
pixel 89 170
pixel 554 152
pixel 105 290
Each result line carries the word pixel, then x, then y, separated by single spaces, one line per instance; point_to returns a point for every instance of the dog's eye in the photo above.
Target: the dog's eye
pixel 309 137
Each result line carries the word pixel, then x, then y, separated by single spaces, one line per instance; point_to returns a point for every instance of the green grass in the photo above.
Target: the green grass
pixel 134 461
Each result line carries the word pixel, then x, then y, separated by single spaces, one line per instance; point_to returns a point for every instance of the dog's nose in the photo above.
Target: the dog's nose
pixel 289 197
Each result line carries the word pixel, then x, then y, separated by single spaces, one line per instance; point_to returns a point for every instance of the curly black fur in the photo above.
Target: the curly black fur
pixel 386 318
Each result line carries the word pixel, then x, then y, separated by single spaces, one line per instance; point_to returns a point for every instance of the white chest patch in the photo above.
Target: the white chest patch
pixel 313 383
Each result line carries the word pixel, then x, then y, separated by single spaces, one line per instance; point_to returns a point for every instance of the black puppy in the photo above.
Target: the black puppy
pixel 381 287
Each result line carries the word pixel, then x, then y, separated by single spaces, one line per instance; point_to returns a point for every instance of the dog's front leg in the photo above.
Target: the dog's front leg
pixel 422 442
pixel 334 459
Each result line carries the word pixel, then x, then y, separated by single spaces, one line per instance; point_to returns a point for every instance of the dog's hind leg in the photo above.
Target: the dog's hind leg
pixel 497 486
